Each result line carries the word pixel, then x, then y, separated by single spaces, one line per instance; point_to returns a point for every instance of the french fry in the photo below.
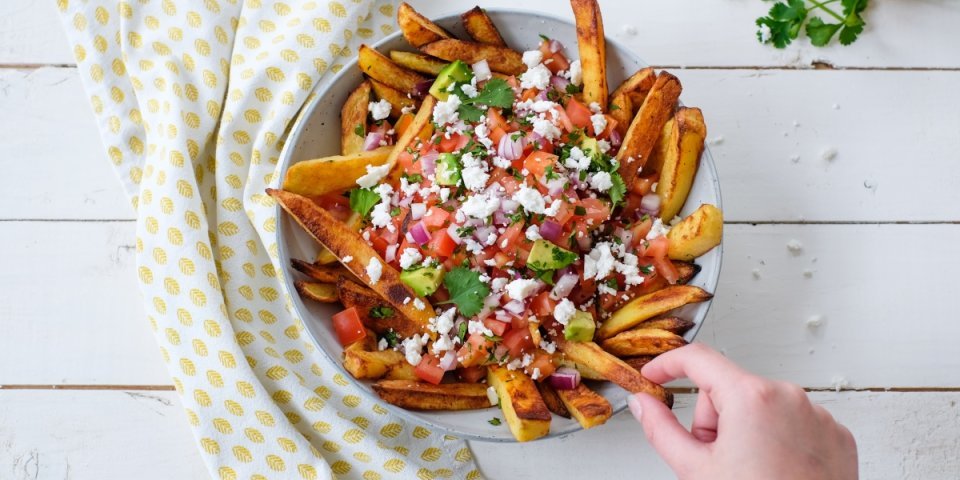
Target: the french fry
pixel 660 149
pixel 638 362
pixel 382 69
pixel 642 341
pixel 353 120
pixel 646 126
pixel 588 407
pixel 648 306
pixel 371 364
pixel 425 396
pixel 321 273
pixel 585 371
pixel 612 368
pixel 696 234
pixel 318 292
pixel 552 400
pixel 419 123
pixel 523 407
pixel 481 28
pixel 418 62
pixel 612 302
pixel 337 173
pixel 417 29
pixel 500 59
pixel 344 242
pixel 365 300
pixel 675 325
pixel 621 109
pixel 681 160
pixel 593 51
pixel 638 85
pixel 398 100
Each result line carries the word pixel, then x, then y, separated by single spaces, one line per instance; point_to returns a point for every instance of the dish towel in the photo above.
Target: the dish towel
pixel 193 101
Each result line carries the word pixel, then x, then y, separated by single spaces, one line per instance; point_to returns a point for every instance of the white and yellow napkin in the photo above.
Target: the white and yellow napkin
pixel 193 100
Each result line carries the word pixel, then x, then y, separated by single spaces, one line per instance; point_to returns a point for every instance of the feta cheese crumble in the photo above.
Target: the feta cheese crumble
pixel 564 311
pixel 536 77
pixel 529 199
pixel 373 175
pixel 522 288
pixel 410 257
pixel 576 73
pixel 532 58
pixel 599 123
pixel 601 181
pixel 445 112
pixel 657 230
pixel 380 110
pixel 374 270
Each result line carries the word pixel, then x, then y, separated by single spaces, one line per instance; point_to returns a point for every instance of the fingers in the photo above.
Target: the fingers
pixel 705 420
pixel 705 367
pixel 671 441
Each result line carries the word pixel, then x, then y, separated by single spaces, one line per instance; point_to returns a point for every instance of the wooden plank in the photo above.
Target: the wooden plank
pixel 861 295
pixel 900 436
pixel 108 435
pixel 71 308
pixel 50 151
pixel 680 32
pixel 886 123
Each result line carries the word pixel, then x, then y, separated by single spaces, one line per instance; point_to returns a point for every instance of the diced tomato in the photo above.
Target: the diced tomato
pixel 448 145
pixel 529 94
pixel 436 217
pixel 564 119
pixel 643 184
pixel 579 113
pixel 542 305
pixel 518 341
pixel 519 323
pixel 656 248
pixel 496 134
pixel 583 291
pixel 475 351
pixel 441 244
pixel 559 61
pixel 403 123
pixel 408 163
pixel 596 210
pixel 521 253
pixel 501 259
pixel 544 362
pixel 379 243
pixel 348 326
pixel 510 184
pixel 564 214
pixel 665 268
pixel 641 229
pixel 472 374
pixel 495 120
pixel 496 326
pixel 512 81
pixel 429 369
pixel 611 125
pixel 507 241
pixel 538 162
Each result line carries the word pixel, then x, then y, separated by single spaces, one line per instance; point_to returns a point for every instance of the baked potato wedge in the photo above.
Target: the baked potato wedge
pixel 417 29
pixel 481 28
pixel 500 59
pixel 680 160
pixel 367 301
pixel 321 273
pixel 637 86
pixel 642 341
pixel 593 51
pixel 644 130
pixel 523 407
pixel 588 407
pixel 621 109
pixel 344 242
pixel 380 68
pixel 696 234
pixel 353 119
pixel 611 368
pixel 320 176
pixel 552 400
pixel 418 62
pixel 415 395
pixel 317 291
pixel 675 325
pixel 655 162
pixel 398 100
pixel 585 371
pixel 611 303
pixel 638 362
pixel 648 306
pixel 369 364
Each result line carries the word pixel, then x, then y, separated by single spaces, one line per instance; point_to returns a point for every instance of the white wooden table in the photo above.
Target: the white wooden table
pixel 83 393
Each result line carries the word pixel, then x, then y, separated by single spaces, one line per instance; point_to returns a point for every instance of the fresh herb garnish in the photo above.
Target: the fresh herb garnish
pixel 494 421
pixel 580 211
pixel 496 93
pixel 462 332
pixel 391 338
pixel 360 130
pixel 362 200
pixel 466 290
pixel 618 190
pixel 572 89
pixel 544 37
pixel 785 19
pixel 646 269
pixel 413 177
pixel 394 211
pixel 381 312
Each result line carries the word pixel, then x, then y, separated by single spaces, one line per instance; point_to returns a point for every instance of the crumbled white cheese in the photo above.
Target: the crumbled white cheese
pixel 497 284
pixel 492 396
pixel 532 58
pixel 444 194
pixel 548 347
pixel 413 347
pixel 380 216
pixel 476 327
pixel 444 322
pixel 491 239
pixel 533 233
pixel 529 199
pixel 595 108
pixel 657 230
pixel 601 181
pixel 599 123
pixel 374 270
pixel 410 257
pixel 379 110
pixel 604 146
pixel 545 128
pixel 522 288
pixel 445 112
pixel 599 262
pixel 577 160
pixel 576 73
pixel 480 206
pixel 418 304
pixel 407 300
pixel 795 246
pixel 564 311
pixel 536 77
pixel 554 208
pixel 442 344
pixel 347 259
pixel 469 90
pixel 536 373
pixel 408 109
pixel 374 175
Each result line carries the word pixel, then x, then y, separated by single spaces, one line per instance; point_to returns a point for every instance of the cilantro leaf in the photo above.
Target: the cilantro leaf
pixel 496 93
pixel 381 312
pixel 494 421
pixel 618 190
pixel 392 338
pixel 466 290
pixel 362 200
pixel 820 33
pixel 469 113
pixel 462 332
pixel 785 19
pixel 360 130
pixel 849 34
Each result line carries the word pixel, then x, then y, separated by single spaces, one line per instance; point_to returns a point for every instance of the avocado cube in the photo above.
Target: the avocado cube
pixel 456 72
pixel 448 170
pixel 580 327
pixel 423 280
pixel 547 256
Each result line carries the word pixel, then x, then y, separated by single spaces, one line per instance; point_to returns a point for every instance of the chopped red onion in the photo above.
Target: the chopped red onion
pixel 452 231
pixel 625 235
pixel 555 46
pixel 501 351
pixel 650 204
pixel 372 142
pixel 503 316
pixel 509 148
pixel 417 210
pixel 550 230
pixel 422 88
pixel 542 96
pixel 481 233
pixel 564 378
pixel 534 137
pixel 482 69
pixel 474 222
pixel 419 233
pixel 515 307
pixel 500 218
pixel 391 253
pixel 448 361
pixel 428 162
pixel 405 201
pixel 564 286
pixel 559 83
pixel 584 242
pixel 615 138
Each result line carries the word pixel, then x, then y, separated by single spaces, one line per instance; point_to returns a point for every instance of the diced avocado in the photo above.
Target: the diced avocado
pixel 547 256
pixel 448 170
pixel 580 327
pixel 423 280
pixel 456 72
pixel 590 146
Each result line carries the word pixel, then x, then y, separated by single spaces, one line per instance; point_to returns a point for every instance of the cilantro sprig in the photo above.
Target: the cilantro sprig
pixel 466 290
pixel 362 200
pixel 783 23
pixel 495 93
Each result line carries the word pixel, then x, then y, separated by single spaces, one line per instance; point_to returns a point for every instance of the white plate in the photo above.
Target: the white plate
pixel 318 135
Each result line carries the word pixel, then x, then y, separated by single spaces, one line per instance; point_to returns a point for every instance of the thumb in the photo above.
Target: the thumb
pixel 670 439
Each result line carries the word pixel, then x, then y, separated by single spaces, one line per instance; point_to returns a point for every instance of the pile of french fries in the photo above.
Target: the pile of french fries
pixel 657 135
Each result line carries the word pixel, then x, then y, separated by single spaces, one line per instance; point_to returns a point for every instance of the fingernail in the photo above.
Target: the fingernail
pixel 634 403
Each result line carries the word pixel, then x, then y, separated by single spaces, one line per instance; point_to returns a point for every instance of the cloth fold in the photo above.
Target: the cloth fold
pixel 193 100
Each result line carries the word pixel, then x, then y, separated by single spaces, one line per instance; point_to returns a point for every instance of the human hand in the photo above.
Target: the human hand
pixel 744 426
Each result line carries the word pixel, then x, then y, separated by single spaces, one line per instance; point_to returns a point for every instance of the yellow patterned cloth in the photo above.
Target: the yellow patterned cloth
pixel 193 99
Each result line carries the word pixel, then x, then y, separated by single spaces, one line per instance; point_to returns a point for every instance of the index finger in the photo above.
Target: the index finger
pixel 705 367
